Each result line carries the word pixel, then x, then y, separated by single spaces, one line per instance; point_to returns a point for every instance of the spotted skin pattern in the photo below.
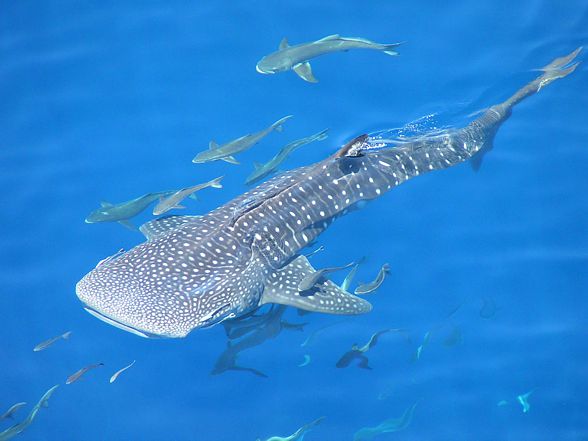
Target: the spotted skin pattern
pixel 195 271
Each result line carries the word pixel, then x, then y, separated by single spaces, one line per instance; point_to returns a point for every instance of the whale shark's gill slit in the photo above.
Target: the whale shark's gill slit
pixel 212 320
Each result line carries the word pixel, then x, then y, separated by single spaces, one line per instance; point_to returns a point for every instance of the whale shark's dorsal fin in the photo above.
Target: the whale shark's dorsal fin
pixel 282 288
pixel 353 147
pixel 158 227
pixel 283 44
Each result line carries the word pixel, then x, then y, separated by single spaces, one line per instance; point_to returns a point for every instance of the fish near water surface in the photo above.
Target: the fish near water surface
pixel 263 170
pixel 45 344
pixel 78 374
pixel 196 271
pixel 297 57
pixel 172 201
pixel 124 211
pixel 226 151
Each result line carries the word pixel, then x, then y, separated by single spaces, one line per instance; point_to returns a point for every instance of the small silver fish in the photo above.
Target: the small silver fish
pixel 216 152
pixel 77 375
pixel 312 279
pixel 11 411
pixel 306 361
pixel 351 275
pixel 120 371
pixel 366 288
pixel 44 345
pixel 313 252
pixel 357 352
pixel 173 201
pixel 263 170
pixel 523 399
pixel 12 431
pixel 419 351
pixel 296 57
pixel 390 425
pixel 298 435
pixel 124 211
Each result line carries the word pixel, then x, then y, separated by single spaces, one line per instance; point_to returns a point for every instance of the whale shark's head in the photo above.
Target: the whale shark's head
pixel 118 297
pixel 154 294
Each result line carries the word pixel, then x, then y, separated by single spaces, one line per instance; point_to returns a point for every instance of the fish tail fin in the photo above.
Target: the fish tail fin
pixel 311 425
pixel 216 182
pixel 390 49
pixel 277 126
pixel 321 136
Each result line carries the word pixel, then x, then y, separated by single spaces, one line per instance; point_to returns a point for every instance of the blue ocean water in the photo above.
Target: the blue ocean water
pixel 110 100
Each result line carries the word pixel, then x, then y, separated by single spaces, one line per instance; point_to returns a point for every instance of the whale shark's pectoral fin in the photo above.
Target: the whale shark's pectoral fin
pixel 304 71
pixel 158 227
pixel 282 288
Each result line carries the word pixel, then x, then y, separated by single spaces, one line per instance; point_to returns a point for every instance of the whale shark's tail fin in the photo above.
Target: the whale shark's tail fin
pixel 559 68
pixel 399 164
pixel 491 120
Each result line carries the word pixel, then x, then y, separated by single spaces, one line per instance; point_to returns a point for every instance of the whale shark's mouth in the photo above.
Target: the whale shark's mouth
pixel 120 325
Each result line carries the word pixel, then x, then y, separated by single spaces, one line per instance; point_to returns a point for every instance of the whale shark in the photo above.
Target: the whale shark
pixel 196 271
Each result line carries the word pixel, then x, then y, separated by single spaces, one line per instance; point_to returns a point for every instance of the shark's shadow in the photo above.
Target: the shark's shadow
pixel 246 333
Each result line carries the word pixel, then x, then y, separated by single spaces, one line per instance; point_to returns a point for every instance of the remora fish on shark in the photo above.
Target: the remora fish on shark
pixel 263 170
pixel 124 211
pixel 366 288
pixel 296 57
pixel 195 271
pixel 226 151
pixel 173 201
